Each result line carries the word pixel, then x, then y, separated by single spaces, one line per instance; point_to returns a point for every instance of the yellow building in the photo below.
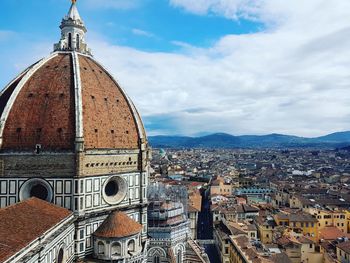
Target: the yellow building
pixel 266 229
pixel 326 218
pixel 300 222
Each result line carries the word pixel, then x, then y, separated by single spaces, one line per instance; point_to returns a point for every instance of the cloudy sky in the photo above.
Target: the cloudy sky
pixel 200 66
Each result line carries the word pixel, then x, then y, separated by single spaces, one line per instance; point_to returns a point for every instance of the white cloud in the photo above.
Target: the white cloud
pixel 232 9
pixel 140 32
pixel 292 78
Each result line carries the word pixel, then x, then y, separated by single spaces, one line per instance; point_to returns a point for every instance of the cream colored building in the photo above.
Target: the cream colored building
pixel 219 187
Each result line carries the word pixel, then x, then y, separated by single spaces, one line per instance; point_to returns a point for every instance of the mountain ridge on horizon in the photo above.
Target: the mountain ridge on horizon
pixel 273 140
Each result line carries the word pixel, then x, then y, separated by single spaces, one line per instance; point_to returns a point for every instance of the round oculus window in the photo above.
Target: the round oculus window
pixel 114 190
pixel 38 188
pixel 39 191
pixel 111 188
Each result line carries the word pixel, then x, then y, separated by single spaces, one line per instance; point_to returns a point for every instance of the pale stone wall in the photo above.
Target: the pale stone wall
pixel 47 165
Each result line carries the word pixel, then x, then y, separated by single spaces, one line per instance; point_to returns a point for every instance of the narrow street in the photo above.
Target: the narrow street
pixel 205 228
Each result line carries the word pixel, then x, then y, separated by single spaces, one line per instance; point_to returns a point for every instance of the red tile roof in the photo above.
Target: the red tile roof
pixel 117 225
pixel 22 223
pixel 332 233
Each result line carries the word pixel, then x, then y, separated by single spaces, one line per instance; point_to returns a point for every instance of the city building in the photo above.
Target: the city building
pixel 300 222
pixel 220 187
pixel 266 228
pixel 327 218
pixel 243 251
pixel 343 252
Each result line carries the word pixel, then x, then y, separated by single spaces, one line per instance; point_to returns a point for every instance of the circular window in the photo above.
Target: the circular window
pixel 36 187
pixel 39 191
pixel 111 188
pixel 114 190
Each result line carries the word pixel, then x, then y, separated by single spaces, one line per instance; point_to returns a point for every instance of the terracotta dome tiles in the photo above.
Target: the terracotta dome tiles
pixel 118 225
pixel 43 111
pixel 108 118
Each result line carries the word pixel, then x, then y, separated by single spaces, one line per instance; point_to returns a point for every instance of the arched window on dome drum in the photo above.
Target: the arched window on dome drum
pixel 101 248
pixel 116 249
pixel 131 246
pixel 78 41
pixel 70 40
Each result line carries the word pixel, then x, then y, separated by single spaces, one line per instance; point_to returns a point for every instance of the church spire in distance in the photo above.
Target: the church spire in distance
pixel 72 32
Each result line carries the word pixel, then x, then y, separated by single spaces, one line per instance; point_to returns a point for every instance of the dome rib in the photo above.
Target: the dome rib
pixel 78 98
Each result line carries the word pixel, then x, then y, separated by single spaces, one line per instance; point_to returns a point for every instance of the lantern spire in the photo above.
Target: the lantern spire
pixel 72 32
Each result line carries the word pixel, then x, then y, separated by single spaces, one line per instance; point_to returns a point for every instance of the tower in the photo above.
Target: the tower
pixel 72 33
pixel 70 135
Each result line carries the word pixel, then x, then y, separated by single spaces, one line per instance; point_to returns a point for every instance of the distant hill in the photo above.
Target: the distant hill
pixel 223 140
pixel 336 137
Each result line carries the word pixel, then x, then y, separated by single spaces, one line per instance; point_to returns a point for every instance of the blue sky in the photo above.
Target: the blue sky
pixel 201 66
pixel 40 19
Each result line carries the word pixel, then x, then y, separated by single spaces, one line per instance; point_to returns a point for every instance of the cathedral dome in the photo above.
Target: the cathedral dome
pixel 68 101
